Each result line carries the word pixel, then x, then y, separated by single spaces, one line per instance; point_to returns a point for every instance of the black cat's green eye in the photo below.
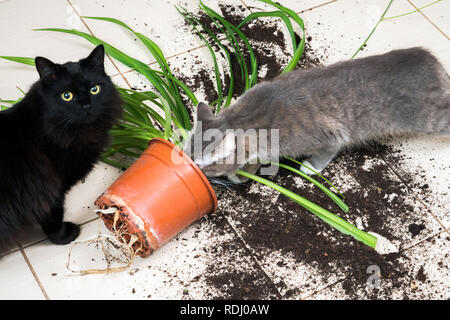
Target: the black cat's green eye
pixel 95 89
pixel 67 95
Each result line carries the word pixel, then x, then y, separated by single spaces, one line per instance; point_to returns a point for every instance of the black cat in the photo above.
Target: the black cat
pixel 50 140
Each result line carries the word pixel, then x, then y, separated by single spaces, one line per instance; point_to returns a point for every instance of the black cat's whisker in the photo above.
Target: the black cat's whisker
pixel 64 121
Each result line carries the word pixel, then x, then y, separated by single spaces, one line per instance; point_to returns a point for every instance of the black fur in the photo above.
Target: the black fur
pixel 47 144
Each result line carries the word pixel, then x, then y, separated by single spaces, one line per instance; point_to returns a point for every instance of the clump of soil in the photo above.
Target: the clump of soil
pixel 415 229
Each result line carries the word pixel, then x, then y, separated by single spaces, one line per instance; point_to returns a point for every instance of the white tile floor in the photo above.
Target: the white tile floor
pixel 36 269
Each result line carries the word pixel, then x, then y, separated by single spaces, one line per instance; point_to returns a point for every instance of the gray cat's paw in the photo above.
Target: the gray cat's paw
pixel 237 180
pixel 306 170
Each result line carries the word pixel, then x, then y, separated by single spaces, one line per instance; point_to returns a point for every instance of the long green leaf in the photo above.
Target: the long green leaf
pixel 192 21
pixel 333 220
pixel 159 56
pixel 234 30
pixel 24 60
pixel 317 173
pixel 329 193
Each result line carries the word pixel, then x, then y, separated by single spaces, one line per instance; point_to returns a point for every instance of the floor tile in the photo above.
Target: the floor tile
pixel 80 199
pixel 16 279
pixel 426 276
pixel 204 261
pixel 332 30
pixel 332 36
pixel 19 39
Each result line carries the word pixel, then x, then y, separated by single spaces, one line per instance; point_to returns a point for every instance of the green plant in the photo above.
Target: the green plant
pixel 141 122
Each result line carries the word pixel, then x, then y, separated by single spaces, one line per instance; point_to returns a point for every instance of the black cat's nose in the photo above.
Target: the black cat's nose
pixel 86 107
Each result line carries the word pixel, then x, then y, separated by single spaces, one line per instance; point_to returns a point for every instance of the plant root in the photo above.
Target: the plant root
pixel 117 241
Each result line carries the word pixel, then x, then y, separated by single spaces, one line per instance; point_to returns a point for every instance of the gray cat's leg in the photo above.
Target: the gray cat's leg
pixel 250 168
pixel 318 161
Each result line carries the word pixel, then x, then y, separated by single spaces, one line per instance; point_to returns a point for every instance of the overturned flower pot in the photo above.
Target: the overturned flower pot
pixel 161 194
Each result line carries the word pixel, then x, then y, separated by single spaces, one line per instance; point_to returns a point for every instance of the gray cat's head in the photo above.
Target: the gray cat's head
pixel 211 146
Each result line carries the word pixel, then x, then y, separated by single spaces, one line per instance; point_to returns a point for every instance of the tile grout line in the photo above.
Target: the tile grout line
pixel 429 20
pixel 329 286
pixel 30 267
pixel 317 6
pixel 92 33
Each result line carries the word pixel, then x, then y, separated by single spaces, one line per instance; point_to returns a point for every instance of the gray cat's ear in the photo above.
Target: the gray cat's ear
pixel 45 68
pixel 204 112
pixel 97 57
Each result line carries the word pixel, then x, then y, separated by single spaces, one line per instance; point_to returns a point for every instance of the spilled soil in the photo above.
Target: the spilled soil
pixel 283 237
pixel 267 225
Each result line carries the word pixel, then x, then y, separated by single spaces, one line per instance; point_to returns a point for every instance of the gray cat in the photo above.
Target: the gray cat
pixel 321 110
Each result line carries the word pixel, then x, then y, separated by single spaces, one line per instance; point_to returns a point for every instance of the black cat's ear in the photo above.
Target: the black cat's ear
pixel 204 112
pixel 97 57
pixel 45 68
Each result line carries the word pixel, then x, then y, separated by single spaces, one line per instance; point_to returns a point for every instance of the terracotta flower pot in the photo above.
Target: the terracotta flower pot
pixel 161 194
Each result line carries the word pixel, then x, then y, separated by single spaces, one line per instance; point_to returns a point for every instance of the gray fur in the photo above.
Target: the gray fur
pixel 321 110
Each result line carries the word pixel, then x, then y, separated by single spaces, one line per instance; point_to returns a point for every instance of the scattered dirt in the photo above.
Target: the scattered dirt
pixel 266 224
pixel 378 203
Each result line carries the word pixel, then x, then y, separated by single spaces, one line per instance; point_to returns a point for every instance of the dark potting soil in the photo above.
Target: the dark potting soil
pixel 281 226
pixel 264 224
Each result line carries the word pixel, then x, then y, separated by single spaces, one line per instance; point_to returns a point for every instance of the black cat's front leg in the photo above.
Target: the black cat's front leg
pixel 59 232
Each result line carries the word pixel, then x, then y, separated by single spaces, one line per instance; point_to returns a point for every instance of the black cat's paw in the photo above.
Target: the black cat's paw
pixel 68 232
